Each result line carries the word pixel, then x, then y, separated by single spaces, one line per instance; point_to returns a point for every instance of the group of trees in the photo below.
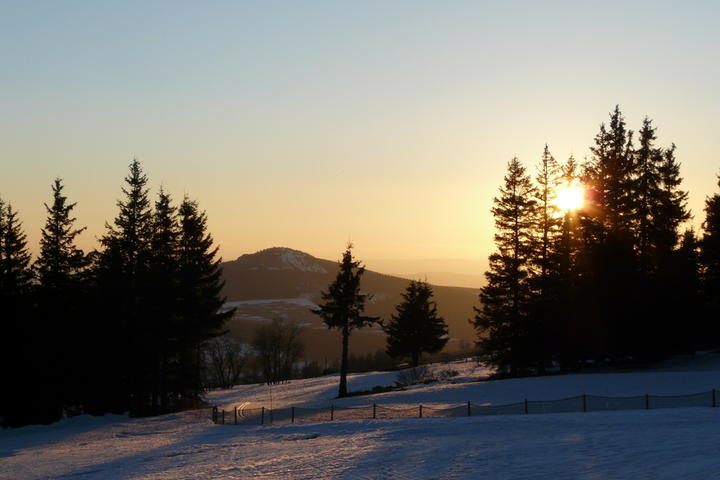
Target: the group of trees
pixel 415 329
pixel 117 329
pixel 128 326
pixel 615 280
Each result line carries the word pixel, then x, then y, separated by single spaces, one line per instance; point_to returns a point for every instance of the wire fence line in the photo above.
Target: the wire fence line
pixel 580 403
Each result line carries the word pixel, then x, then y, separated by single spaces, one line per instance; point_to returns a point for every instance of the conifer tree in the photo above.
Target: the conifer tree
pixel 19 357
pixel 15 274
pixel 502 320
pixel 566 329
pixel 416 328
pixel 60 262
pixel 646 190
pixel 609 172
pixel 672 278
pixel 710 257
pixel 609 264
pixel 344 306
pixel 163 291
pixel 199 282
pixel 545 276
pixel 122 277
pixel 671 208
pixel 61 277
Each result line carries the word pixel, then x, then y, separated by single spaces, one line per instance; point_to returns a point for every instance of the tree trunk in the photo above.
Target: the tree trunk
pixel 344 363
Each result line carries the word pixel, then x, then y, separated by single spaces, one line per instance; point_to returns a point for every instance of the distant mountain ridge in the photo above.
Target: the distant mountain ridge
pixel 284 282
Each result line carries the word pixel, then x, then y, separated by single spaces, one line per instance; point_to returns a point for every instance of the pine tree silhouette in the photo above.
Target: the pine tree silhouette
pixel 344 306
pixel 61 270
pixel 416 328
pixel 502 320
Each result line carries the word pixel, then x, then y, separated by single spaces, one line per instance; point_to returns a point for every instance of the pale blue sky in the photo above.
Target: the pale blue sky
pixel 307 123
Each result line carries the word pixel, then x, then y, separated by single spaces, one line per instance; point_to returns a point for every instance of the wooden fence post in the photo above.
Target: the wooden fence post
pixel 292 414
pixel 374 410
pixel 468 409
pixel 236 415
pixel 526 406
pixel 223 416
pixel 420 411
pixel 332 412
pixel 262 416
pixel 215 415
pixel 647 401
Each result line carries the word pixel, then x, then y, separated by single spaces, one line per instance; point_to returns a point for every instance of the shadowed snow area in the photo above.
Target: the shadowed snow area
pixel 669 443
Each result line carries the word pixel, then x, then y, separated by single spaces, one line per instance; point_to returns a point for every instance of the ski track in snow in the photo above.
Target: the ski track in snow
pixel 655 444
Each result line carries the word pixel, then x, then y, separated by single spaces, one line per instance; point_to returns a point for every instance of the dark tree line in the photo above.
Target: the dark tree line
pixel 617 280
pixel 114 330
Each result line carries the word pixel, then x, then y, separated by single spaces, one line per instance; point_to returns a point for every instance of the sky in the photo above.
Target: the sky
pixel 308 124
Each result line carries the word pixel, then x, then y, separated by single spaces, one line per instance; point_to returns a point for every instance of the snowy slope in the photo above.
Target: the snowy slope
pixel 666 444
pixel 316 392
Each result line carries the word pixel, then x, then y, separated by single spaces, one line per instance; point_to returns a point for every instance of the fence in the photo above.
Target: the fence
pixel 581 403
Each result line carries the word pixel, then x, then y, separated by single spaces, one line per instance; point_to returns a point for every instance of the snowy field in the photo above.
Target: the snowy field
pixel 668 443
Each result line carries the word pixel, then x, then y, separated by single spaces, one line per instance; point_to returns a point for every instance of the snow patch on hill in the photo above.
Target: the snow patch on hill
pixel 300 261
pixel 302 302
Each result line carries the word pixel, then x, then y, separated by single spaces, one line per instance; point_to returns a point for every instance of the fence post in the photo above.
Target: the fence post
pixel 468 409
pixel 292 414
pixel 235 415
pixel 214 415
pixel 420 412
pixel 584 403
pixel 332 412
pixel 223 416
pixel 262 415
pixel 647 402
pixel 374 410
pixel 271 416
pixel 714 398
pixel 526 406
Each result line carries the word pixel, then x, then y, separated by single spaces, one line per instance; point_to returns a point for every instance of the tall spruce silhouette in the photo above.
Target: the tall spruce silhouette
pixel 61 271
pixel 711 263
pixel 416 328
pixel 503 318
pixel 567 325
pixel 545 274
pixel 343 308
pixel 609 266
pixel 122 276
pixel 19 360
pixel 200 313
pixel 163 290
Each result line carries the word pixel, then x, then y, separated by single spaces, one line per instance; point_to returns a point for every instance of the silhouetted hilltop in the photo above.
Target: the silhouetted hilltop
pixel 285 282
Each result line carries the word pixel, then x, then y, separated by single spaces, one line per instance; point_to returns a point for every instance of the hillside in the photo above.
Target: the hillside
pixel 286 282
pixel 639 444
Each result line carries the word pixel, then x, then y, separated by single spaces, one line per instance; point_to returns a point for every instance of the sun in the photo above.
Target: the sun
pixel 570 197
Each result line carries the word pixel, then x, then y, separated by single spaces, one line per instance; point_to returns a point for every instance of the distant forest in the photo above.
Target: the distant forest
pixel 619 279
pixel 595 265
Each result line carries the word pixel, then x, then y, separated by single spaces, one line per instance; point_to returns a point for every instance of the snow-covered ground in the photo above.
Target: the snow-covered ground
pixel 669 443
